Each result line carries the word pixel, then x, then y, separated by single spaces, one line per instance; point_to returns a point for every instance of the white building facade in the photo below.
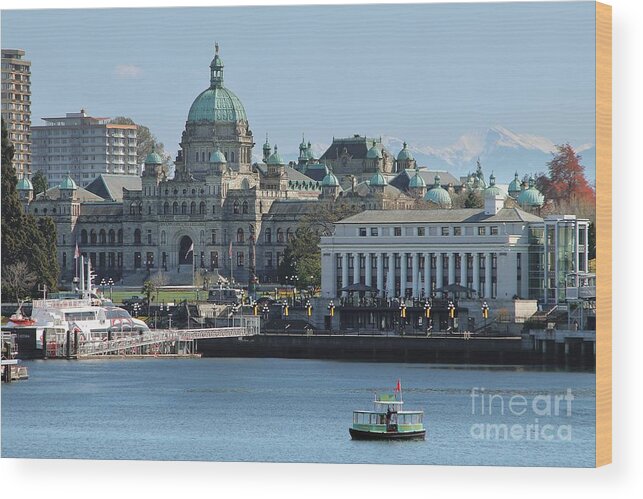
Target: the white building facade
pixel 83 147
pixel 496 252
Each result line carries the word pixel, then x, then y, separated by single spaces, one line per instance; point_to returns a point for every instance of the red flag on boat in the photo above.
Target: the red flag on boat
pixel 77 252
pixel 398 388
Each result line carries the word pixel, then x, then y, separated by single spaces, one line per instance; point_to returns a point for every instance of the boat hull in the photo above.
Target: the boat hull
pixel 389 435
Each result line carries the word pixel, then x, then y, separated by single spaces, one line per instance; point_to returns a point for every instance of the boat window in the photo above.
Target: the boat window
pixel 117 313
pixel 80 316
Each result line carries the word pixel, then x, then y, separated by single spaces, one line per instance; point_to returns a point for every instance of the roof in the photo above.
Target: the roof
pixel 110 186
pixel 217 104
pixel 293 207
pixel 316 171
pixel 464 215
pixel 402 179
pixel 356 146
pixel 82 194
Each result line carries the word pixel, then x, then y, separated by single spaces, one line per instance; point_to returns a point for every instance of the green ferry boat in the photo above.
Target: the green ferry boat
pixel 387 420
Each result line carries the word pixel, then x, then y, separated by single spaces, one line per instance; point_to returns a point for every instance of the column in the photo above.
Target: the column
pixel 524 275
pixel 403 276
pixel 451 275
pixel 487 276
pixel 427 275
pixel 356 267
pixel 415 278
pixel 439 270
pixel 380 274
pixel 390 276
pixel 368 271
pixel 476 273
pixel 344 272
pixel 463 269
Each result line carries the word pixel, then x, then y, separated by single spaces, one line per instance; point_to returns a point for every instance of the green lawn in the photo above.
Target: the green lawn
pixel 164 296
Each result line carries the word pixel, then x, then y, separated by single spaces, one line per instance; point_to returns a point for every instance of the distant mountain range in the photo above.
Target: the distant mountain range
pixel 501 151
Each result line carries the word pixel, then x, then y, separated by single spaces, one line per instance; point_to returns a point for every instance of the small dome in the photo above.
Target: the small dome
pixel 531 197
pixel 438 195
pixel 405 154
pixel 24 184
pixel 68 183
pixel 515 186
pixel 374 152
pixel 417 181
pixel 275 158
pixel 217 157
pixel 330 180
pixel 378 180
pixel 153 158
pixel 493 190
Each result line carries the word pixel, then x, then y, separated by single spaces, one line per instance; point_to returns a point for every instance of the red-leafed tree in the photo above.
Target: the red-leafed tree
pixel 566 180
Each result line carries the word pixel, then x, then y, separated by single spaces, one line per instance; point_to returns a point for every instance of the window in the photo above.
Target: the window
pixel 240 237
pixel 457 231
pixel 421 231
pixel 184 208
pixel 481 231
pixel 213 236
pixel 268 236
pixel 269 259
pixel 288 234
pixel 175 208
pixel 202 208
pixel 149 236
pixel 280 236
pixel 163 238
pixel 192 208
pixel 397 231
pixel 235 208
pixel 119 236
pixel 445 231
pixel 240 258
pixel 373 231
pixel 362 231
pixel 137 260
pixel 137 237
pixel 244 207
pixel 83 236
pixel 494 230
pixel 214 260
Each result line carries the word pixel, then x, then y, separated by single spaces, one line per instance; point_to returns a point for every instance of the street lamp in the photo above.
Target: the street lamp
pixel 485 312
pixel 427 314
pixel 265 311
pixel 403 317
pixel 284 308
pixel 255 308
pixel 135 308
pixel 110 283
pixel 102 286
pixel 331 311
pixel 452 314
pixel 309 309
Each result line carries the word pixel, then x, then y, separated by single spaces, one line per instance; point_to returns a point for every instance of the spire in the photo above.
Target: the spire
pixel 216 69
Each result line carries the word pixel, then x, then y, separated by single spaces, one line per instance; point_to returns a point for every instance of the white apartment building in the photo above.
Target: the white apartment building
pixel 83 147
pixel 496 252
pixel 16 106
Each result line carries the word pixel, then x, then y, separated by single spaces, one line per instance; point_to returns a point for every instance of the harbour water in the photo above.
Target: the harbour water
pixel 283 410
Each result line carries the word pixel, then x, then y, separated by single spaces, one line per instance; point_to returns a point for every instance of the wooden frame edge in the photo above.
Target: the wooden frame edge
pixel 603 234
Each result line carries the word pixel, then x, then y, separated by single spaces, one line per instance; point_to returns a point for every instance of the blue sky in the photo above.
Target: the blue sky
pixel 425 73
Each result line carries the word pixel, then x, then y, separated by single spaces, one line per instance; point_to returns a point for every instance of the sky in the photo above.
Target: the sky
pixel 425 73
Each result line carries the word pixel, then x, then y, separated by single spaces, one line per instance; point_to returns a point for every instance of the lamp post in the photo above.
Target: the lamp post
pixel 402 317
pixel 331 312
pixel 427 315
pixel 265 311
pixel 110 283
pixel 136 308
pixel 169 317
pixel 485 313
pixel 452 314
pixel 102 286
pixel 309 309
pixel 284 308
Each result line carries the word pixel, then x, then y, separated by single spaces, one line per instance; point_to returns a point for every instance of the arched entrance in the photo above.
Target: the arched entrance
pixel 186 251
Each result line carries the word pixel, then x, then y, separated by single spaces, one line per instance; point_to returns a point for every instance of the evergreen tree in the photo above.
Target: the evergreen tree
pixel 39 181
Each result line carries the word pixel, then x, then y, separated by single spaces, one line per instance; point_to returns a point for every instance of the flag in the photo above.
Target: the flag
pixel 190 250
pixel 230 251
pixel 76 252
pixel 398 388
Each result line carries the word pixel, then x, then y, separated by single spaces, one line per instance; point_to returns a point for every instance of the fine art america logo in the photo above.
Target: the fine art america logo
pixel 544 417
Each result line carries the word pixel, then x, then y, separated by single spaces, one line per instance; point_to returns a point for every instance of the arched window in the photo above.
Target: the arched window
pixel 214 208
pixel 175 208
pixel 280 236
pixel 102 236
pixel 83 236
pixel 184 208
pixel 132 208
pixel 202 208
pixel 92 237
pixel 45 211
pixel 119 236
pixel 192 208
pixel 166 208
pixel 244 208
pixel 111 236
pixel 137 236
pixel 268 235
pixel 235 208
pixel 163 240
pixel 240 258
pixel 288 235
pixel 140 208
pixel 240 237
pixel 149 209
pixel 232 157
pixel 64 260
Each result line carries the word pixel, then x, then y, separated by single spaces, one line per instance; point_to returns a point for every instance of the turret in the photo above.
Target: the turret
pixel 267 150
pixel 25 189
pixel 417 185
pixel 405 160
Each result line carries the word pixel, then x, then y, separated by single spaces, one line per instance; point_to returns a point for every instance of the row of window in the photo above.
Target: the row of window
pixel 421 231
pixel 421 262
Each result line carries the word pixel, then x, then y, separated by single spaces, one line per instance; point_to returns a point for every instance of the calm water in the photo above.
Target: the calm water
pixel 288 411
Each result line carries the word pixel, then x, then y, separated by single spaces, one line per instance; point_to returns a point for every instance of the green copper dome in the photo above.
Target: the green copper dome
pixel 68 183
pixel 217 157
pixel 378 180
pixel 417 181
pixel 515 186
pixel 153 159
pixel 438 195
pixel 217 103
pixel 405 154
pixel 493 189
pixel 275 158
pixel 24 184
pixel 531 197
pixel 374 152
pixel 330 180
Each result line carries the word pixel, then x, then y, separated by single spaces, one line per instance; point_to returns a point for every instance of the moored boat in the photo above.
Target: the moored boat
pixel 387 420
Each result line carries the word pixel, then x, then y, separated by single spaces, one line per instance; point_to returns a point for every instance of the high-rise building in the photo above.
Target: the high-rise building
pixel 16 106
pixel 83 147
